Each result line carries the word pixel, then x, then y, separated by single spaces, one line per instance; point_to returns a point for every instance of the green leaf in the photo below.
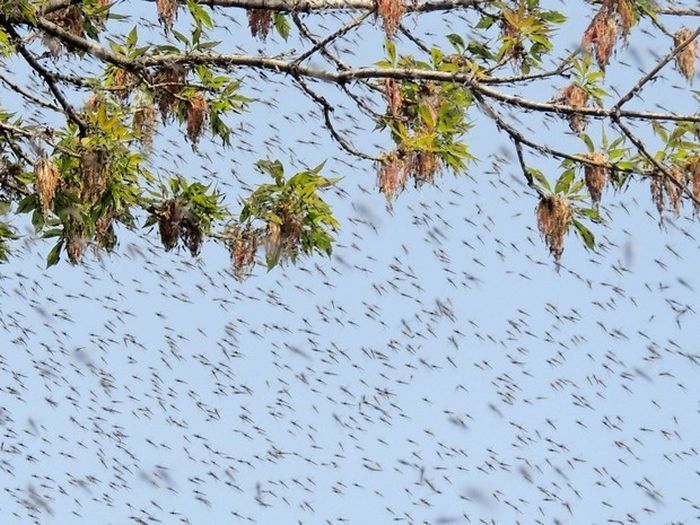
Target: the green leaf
pixel 564 183
pixel 390 51
pixel 485 22
pixel 37 220
pixel 132 38
pixel 281 24
pixel 27 204
pixel 539 178
pixel 54 255
pixel 555 17
pixel 589 143
pixel 457 42
pixel 4 207
pixel 585 234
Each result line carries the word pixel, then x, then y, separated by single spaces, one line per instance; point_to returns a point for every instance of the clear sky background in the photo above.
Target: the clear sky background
pixel 437 369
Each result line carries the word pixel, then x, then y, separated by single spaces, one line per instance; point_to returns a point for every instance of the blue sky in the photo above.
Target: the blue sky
pixel 327 389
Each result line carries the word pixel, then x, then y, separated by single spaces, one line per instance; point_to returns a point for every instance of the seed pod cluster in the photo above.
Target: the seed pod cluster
pixel 392 175
pixel 687 58
pixel 391 12
pixel 553 218
pixel 692 166
pixel 46 182
pixel 243 244
pixel 169 81
pixel 596 177
pixel 167 10
pixel 144 123
pixel 614 17
pixel 175 222
pixel 259 22
pixel 94 164
pixel 575 96
pixel 197 112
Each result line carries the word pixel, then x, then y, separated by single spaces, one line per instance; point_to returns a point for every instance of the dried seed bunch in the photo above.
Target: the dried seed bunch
pixel 656 185
pixel 46 182
pixel 596 177
pixel 169 215
pixel 601 34
pixel 577 97
pixel 625 15
pixel 69 18
pixel 391 12
pixel 686 59
pixel 104 230
pixel 392 175
pixel 191 234
pixel 243 244
pixel 144 122
pixel 553 217
pixel 122 79
pixel 76 240
pixel 10 173
pixel 273 241
pixel 259 22
pixel 167 10
pixel 94 164
pixel 424 166
pixel 169 82
pixel 394 99
pixel 692 166
pixel 197 112
pixel 675 184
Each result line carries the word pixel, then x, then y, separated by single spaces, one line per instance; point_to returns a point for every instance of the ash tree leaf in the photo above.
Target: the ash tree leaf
pixel 281 24
pixel 586 235
pixel 55 254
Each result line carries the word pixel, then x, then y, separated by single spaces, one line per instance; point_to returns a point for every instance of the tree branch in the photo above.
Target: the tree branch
pixel 327 111
pixel 651 74
pixel 652 159
pixel 47 76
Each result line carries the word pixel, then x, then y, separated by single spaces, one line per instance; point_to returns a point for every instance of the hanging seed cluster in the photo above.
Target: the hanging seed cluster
pixel 259 22
pixel 197 112
pixel 675 187
pixel 692 167
pixel 242 244
pixel 104 230
pixel 575 96
pixel 553 218
pixel 76 239
pixel 391 12
pixel 69 19
pixel 122 80
pixel 392 174
pixel 94 164
pixel 176 223
pixel 614 18
pixel 395 168
pixel 681 178
pixel 394 98
pixel 687 58
pixel 596 177
pixel 167 10
pixel 168 82
pixel 144 123
pixel 10 173
pixel 46 179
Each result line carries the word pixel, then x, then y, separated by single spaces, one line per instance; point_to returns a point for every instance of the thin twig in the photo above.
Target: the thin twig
pixel 48 78
pixel 327 111
pixel 651 74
